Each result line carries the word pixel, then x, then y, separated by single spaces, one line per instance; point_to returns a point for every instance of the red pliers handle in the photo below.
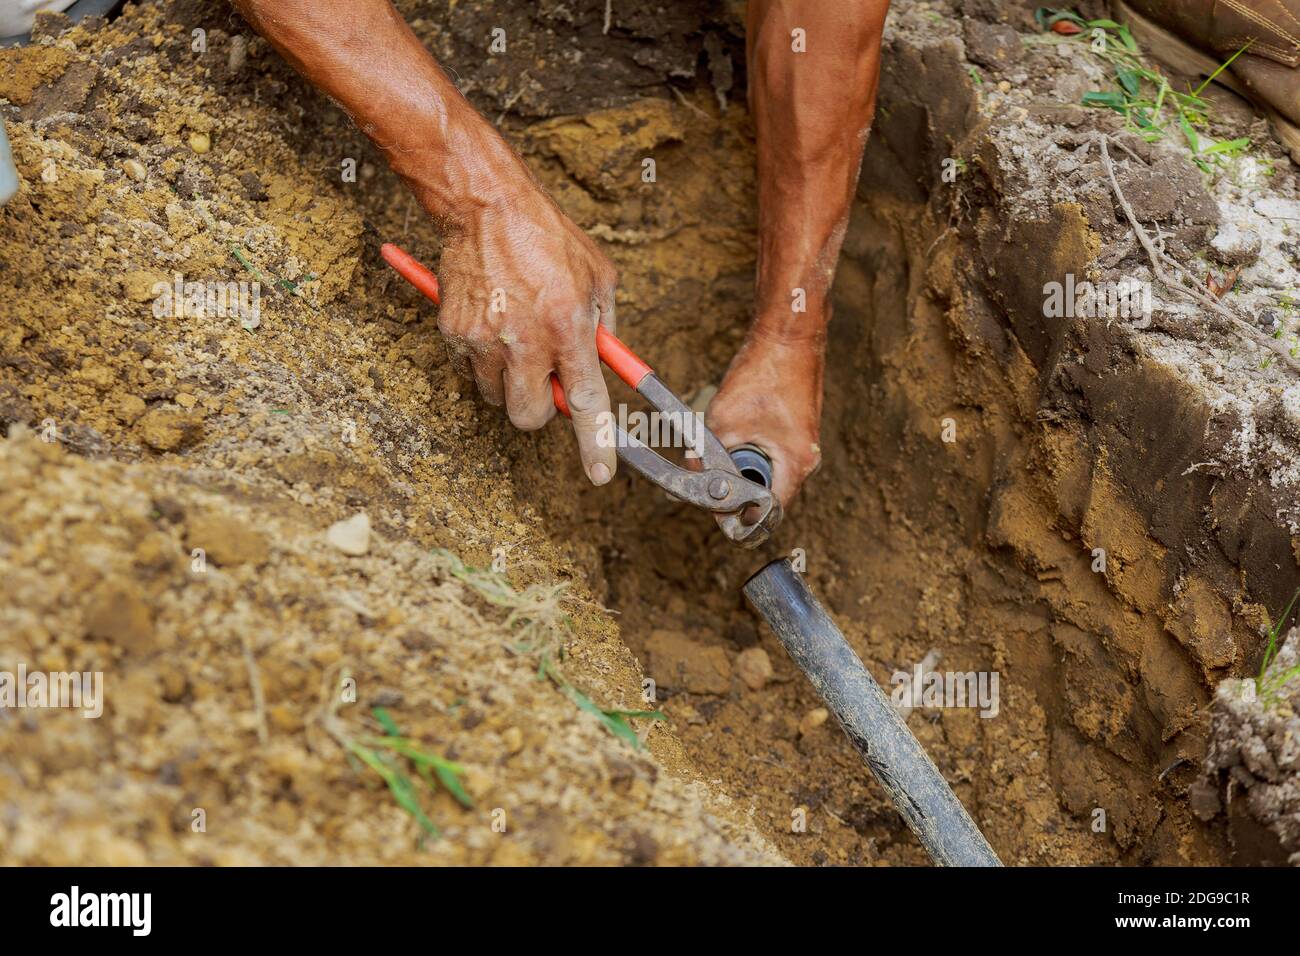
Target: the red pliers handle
pixel 716 486
pixel 626 364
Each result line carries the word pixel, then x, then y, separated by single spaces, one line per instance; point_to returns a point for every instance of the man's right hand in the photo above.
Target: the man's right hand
pixel 523 290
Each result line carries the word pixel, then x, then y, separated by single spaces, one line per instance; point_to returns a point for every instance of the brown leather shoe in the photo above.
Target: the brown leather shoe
pixel 1197 36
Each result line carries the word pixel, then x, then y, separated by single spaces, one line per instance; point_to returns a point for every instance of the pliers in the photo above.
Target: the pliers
pixel 716 486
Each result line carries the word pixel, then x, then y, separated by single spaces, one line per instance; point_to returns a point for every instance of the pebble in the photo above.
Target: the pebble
pixel 226 540
pixel 200 142
pixel 238 53
pixel 143 285
pixel 813 719
pixel 513 738
pixel 351 536
pixel 1204 800
pixel 165 430
pixel 129 409
pixel 119 615
pixel 1234 246
pixel 174 682
pixel 677 662
pixel 135 169
pixel 754 667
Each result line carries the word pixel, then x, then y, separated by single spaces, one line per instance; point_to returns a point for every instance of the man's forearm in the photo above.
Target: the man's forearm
pixel 812 111
pixel 364 56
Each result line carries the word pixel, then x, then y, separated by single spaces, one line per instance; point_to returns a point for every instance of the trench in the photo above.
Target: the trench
pixel 893 533
pixel 936 531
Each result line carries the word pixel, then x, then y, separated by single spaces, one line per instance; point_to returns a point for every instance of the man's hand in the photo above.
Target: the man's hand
pixel 523 291
pixel 523 287
pixel 772 397
pixel 813 71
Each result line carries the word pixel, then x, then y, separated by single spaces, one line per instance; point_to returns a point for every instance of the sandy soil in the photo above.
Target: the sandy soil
pixel 143 158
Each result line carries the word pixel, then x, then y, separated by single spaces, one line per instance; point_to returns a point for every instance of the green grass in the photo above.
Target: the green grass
pixel 613 719
pixel 535 616
pixel 539 626
pixel 1152 108
pixel 243 257
pixel 392 756
pixel 1271 685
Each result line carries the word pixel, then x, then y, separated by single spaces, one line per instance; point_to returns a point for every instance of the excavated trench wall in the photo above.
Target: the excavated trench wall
pixel 1068 444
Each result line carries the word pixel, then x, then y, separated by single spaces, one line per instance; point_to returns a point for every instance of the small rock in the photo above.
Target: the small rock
pixel 1070 87
pixel 226 540
pixel 163 429
pixel 129 409
pixel 1234 246
pixel 1255 755
pixel 200 142
pixel 169 508
pixel 155 552
pixel 100 377
pixel 513 738
pixel 641 849
pixel 994 45
pixel 141 285
pixel 253 188
pixel 416 641
pixel 49 23
pixel 388 698
pixel 118 614
pixel 812 720
pixel 175 683
pixel 135 169
pixel 678 663
pixel 988 10
pixel 238 53
pixel 351 536
pixel 743 633
pixel 754 667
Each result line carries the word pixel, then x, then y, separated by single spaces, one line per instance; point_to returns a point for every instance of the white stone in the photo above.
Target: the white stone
pixel 351 536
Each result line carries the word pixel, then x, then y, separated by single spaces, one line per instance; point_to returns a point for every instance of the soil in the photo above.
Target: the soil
pixel 1254 759
pixel 135 439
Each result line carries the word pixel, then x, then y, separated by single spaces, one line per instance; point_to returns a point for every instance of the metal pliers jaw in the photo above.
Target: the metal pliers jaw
pixel 716 485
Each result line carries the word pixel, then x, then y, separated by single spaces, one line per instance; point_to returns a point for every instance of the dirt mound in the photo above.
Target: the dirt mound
pixel 166 522
pixel 238 680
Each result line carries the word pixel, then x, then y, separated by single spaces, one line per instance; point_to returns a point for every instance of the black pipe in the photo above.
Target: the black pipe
pixel 752 463
pixel 893 755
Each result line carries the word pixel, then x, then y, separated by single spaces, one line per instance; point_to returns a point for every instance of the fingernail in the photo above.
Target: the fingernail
pixel 599 473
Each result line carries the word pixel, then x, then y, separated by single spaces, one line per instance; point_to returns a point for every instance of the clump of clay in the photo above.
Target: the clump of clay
pixel 1254 759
